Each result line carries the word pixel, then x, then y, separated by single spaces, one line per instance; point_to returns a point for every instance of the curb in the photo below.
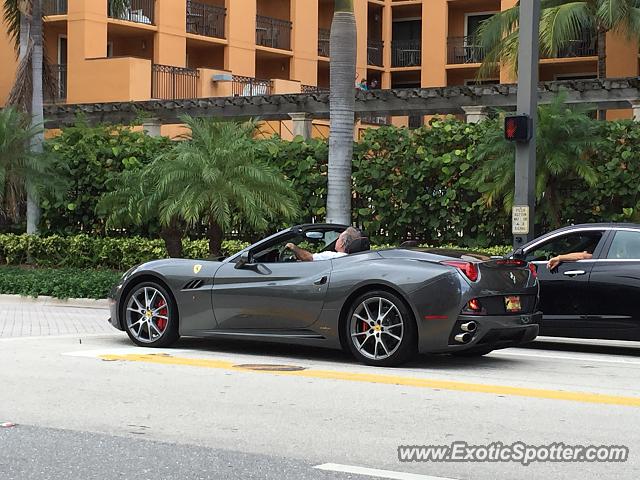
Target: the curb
pixel 56 302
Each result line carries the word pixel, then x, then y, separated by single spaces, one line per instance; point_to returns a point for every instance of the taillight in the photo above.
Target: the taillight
pixel 474 305
pixel 469 269
pixel 534 271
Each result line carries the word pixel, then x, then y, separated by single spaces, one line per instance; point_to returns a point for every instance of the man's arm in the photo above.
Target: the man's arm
pixel 300 253
pixel 569 257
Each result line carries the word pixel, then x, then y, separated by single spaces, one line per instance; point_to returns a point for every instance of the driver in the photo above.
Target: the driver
pixel 345 239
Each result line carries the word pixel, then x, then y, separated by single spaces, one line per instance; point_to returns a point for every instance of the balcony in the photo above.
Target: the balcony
pixel 587 46
pixel 249 87
pixel 375 52
pixel 54 7
pixel 406 53
pixel 173 83
pixel 137 11
pixel 461 50
pixel 273 32
pixel 57 93
pixel 324 35
pixel 206 20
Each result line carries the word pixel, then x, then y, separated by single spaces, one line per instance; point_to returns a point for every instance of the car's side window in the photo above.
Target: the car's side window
pixel 625 246
pixel 569 243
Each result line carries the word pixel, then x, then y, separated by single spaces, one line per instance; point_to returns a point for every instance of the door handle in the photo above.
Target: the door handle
pixel 321 281
pixel 574 273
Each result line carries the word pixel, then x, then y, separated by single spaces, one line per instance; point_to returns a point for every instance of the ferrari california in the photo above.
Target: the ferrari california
pixel 384 306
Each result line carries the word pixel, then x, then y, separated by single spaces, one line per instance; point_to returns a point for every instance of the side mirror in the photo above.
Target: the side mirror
pixel 243 263
pixel 519 253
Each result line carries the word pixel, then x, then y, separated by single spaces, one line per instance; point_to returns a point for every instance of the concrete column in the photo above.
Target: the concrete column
pixel 361 11
pixel 170 43
pixel 635 106
pixel 476 113
pixel 304 64
pixel 152 127
pixel 507 74
pixel 240 54
pixel 302 124
pixel 621 52
pixel 435 19
pixel 387 33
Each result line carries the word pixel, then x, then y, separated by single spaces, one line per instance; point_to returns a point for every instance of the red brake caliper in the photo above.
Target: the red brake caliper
pixel 161 322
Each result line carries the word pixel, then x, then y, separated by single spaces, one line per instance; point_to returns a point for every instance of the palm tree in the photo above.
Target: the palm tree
pixel 342 105
pixel 566 136
pixel 18 163
pixel 214 176
pixel 134 200
pixel 25 27
pixel 562 22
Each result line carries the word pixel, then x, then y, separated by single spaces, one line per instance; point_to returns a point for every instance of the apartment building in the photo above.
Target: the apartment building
pixel 170 49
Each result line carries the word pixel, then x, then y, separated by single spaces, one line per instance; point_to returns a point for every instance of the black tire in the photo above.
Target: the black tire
pixel 472 353
pixel 169 313
pixel 399 351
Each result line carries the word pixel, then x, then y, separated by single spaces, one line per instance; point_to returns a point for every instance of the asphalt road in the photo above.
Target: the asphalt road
pixel 87 404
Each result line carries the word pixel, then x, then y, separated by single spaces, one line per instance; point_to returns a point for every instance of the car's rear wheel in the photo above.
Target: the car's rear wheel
pixel 151 316
pixel 381 330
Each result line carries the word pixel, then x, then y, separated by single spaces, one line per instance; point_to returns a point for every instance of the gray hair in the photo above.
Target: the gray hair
pixel 350 235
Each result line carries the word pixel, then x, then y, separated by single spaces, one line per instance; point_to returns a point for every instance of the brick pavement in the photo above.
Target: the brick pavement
pixel 34 320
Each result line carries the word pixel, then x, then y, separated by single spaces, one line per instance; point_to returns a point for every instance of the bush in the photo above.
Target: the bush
pixel 90 157
pixel 59 283
pixel 83 251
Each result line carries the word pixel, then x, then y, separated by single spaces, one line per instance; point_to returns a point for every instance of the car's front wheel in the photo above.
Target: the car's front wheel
pixel 150 316
pixel 380 329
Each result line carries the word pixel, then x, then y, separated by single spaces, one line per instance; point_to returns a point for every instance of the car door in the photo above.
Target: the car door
pixel 614 285
pixel 564 291
pixel 273 292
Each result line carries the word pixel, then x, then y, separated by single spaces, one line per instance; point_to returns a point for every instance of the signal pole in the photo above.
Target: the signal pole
pixel 523 216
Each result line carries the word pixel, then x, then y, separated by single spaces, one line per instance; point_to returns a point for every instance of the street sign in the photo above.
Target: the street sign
pixel 520 220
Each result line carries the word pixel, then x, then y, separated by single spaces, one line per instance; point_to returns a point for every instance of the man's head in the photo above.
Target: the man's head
pixel 346 238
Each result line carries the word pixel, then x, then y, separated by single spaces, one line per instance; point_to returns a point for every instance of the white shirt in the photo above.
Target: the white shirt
pixel 328 255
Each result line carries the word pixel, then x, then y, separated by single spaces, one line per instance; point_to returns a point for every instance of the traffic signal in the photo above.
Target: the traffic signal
pixel 518 128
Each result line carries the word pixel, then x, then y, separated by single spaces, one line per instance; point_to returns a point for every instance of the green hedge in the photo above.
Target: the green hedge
pixel 85 252
pixel 59 283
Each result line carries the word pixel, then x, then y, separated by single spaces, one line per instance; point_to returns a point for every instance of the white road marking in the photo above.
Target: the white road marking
pixel 585 358
pixel 373 472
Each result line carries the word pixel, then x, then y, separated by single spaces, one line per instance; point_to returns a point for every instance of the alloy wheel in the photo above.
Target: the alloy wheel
pixel 376 328
pixel 147 314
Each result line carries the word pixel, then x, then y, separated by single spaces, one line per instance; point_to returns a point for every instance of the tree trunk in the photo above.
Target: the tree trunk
pixel 172 236
pixel 215 234
pixel 602 64
pixel 37 114
pixel 342 104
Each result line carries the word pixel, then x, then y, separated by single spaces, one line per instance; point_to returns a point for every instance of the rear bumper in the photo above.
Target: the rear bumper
pixel 494 332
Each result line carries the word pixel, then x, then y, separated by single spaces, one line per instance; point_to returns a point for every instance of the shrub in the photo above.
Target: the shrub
pixel 59 283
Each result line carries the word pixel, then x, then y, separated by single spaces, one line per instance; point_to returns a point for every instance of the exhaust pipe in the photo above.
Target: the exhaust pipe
pixel 463 337
pixel 468 327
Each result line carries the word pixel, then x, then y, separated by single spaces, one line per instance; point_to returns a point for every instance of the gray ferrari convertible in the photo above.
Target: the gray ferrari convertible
pixel 384 306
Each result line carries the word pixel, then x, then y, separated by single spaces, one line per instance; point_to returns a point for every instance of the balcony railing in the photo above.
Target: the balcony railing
pixel 324 34
pixel 273 32
pixel 406 53
pixel 248 87
pixel 138 11
pixel 58 91
pixel 54 7
pixel 204 19
pixel 464 50
pixel 173 83
pixel 374 52
pixel 587 46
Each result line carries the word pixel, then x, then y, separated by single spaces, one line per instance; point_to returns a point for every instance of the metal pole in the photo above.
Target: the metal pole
pixel 525 196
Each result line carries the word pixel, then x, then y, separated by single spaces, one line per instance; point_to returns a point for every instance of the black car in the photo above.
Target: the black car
pixel 595 298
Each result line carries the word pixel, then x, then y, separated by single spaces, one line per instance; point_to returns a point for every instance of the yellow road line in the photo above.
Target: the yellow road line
pixel 582 397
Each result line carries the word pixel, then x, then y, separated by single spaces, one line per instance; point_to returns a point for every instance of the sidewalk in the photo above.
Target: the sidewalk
pixel 29 319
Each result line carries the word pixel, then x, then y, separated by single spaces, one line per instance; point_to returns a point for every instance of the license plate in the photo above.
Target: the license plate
pixel 512 304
